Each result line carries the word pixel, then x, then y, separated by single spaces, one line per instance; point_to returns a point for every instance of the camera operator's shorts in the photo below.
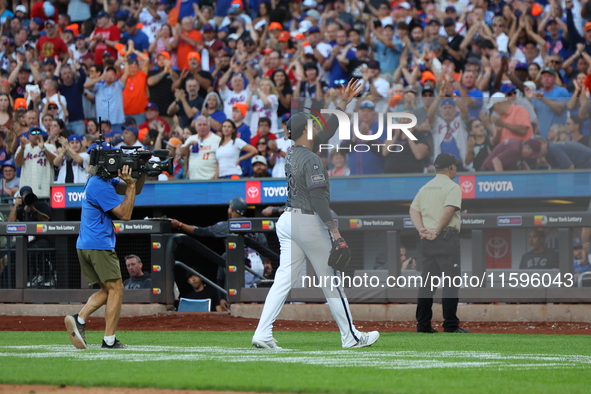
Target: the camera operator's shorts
pixel 99 265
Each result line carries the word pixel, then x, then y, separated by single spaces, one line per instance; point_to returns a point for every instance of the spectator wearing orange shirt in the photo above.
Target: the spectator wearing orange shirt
pixel 188 39
pixel 135 94
pixel 512 120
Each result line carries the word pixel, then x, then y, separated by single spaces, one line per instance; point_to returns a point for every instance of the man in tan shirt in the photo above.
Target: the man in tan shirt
pixel 435 213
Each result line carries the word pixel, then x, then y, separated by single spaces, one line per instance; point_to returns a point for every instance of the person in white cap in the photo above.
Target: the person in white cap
pixel 260 168
pixel 512 120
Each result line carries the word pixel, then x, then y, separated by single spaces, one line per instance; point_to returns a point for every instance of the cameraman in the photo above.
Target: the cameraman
pixel 27 208
pixel 96 250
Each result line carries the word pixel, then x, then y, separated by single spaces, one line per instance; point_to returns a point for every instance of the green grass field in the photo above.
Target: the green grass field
pixel 311 362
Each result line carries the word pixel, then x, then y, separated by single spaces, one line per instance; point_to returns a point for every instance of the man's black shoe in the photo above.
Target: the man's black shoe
pixel 115 345
pixel 430 331
pixel 459 330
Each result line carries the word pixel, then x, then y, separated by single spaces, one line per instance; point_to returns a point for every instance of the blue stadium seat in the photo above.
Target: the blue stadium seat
pixel 187 305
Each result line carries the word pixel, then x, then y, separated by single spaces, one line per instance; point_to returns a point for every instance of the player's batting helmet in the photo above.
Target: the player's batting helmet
pixel 239 205
pixel 296 125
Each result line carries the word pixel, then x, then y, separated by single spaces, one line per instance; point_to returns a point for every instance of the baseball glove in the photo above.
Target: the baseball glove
pixel 340 255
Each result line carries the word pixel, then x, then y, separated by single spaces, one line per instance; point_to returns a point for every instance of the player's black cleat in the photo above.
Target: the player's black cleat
pixel 115 345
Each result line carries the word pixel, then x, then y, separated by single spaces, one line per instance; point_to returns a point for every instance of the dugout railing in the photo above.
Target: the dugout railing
pixel 157 245
pixel 473 229
pixel 151 240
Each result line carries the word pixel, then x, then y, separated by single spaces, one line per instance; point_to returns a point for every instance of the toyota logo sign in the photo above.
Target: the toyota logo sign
pixel 58 197
pixel 467 186
pixel 497 247
pixel 253 192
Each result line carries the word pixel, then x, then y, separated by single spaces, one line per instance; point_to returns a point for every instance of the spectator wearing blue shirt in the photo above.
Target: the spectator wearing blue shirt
pixel 187 8
pixel 108 94
pixel 469 87
pixel 555 41
pixel 550 102
pixel 72 88
pixel 566 155
pixel 388 48
pixel 574 37
pixel 141 42
pixel 361 160
pixel 335 63
pixel 221 10
pixel 96 252
pixel 6 15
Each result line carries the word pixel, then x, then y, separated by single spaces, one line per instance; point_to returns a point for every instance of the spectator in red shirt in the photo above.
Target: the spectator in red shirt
pixel 152 112
pixel 51 44
pixel 44 10
pixel 263 131
pixel 104 37
pixel 273 62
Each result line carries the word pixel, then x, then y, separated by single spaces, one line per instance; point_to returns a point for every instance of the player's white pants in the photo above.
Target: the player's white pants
pixel 304 236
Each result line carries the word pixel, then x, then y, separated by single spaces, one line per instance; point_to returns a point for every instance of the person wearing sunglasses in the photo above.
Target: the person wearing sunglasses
pixel 36 159
pixel 509 119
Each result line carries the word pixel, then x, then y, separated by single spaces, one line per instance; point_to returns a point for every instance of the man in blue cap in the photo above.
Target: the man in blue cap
pixel 10 181
pixel 141 42
pixel 130 137
pixel 72 160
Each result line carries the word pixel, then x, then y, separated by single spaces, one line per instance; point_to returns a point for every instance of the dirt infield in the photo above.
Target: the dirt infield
pixel 38 389
pixel 225 322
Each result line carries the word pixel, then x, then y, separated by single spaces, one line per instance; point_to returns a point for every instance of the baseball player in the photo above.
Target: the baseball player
pixel 302 232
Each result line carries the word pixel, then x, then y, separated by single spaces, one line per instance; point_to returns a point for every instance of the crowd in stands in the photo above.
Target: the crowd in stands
pixel 503 85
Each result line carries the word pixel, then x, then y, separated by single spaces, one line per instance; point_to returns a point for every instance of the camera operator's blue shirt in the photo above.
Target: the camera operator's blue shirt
pixel 96 226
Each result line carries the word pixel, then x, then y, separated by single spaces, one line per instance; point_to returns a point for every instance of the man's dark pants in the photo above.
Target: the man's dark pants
pixel 439 256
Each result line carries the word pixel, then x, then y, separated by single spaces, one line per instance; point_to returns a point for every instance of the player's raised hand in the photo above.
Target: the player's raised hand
pixel 354 87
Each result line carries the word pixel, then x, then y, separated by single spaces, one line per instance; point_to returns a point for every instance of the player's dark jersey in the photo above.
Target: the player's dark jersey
pixel 544 260
pixel 304 171
pixel 222 230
